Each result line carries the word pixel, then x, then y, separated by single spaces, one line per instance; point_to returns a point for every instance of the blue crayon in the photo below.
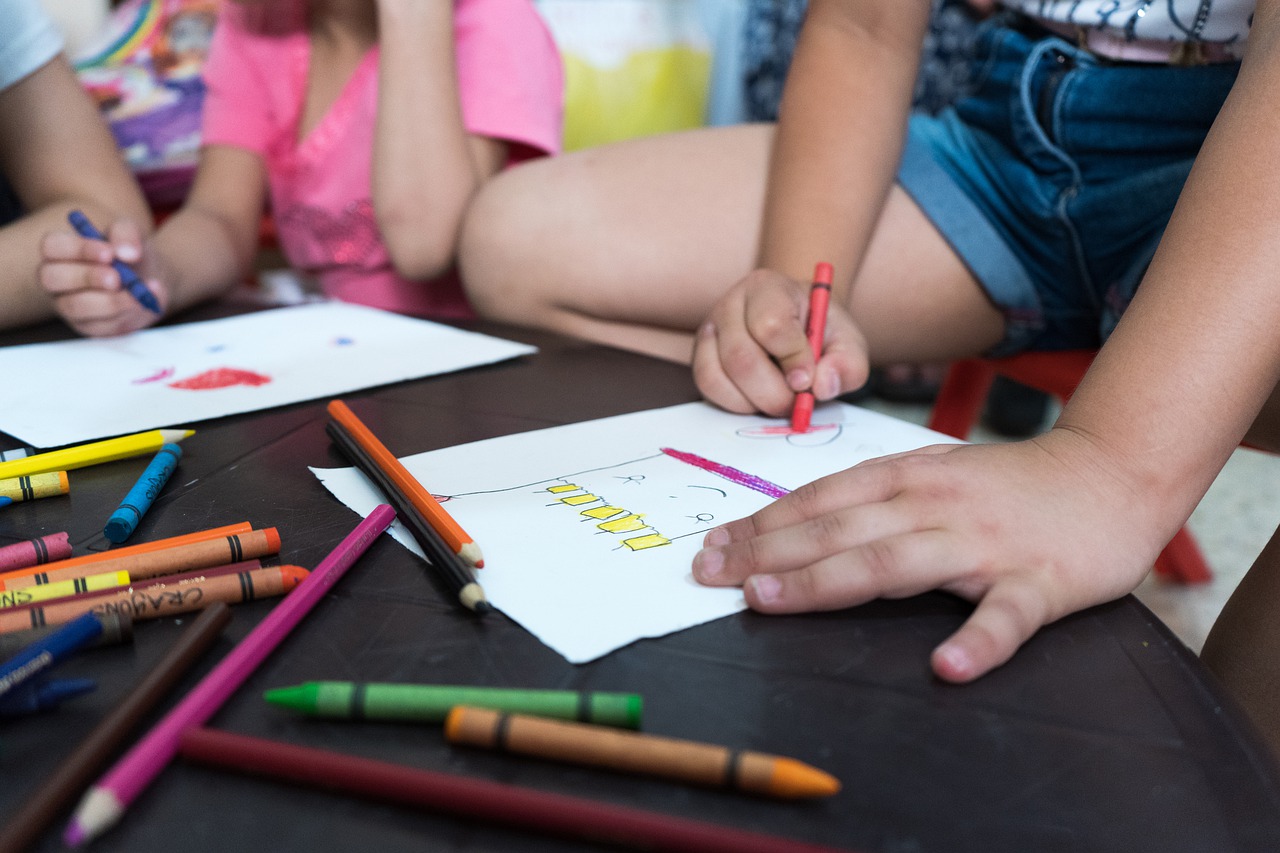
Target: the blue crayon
pixel 43 695
pixel 5 501
pixel 121 524
pixel 128 277
pixel 48 651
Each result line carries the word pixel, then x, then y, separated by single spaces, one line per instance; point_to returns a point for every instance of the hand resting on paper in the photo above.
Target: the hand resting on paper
pixel 752 355
pixel 86 289
pixel 1028 532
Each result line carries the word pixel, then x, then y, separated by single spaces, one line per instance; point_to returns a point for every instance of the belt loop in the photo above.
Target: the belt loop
pixel 1187 54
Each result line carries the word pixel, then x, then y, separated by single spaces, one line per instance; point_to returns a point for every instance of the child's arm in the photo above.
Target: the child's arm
pixel 201 251
pixel 841 129
pixel 426 167
pixel 1035 530
pixel 57 154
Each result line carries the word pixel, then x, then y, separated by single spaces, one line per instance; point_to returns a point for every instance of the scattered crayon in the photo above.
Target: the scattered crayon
pixel 48 485
pixel 35 552
pixel 117 629
pixel 635 752
pixel 148 547
pixel 163 599
pixel 46 652
pixel 431 703
pixel 4 501
pixel 153 563
pixel 62 589
pixel 138 500
pixel 50 693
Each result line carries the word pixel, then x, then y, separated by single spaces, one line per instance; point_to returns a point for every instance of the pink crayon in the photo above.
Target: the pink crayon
pixel 35 552
pixel 107 800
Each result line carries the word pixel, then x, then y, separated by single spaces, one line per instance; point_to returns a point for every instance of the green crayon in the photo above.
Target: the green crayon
pixel 431 703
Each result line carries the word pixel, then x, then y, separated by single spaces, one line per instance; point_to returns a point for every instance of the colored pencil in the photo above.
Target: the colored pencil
pixel 430 703
pixel 112 794
pixel 637 752
pixel 77 770
pixel 47 652
pixel 61 589
pixel 138 500
pixel 479 799
pixel 815 331
pixel 448 565
pixel 129 280
pixel 161 599
pixel 35 552
pixel 459 540
pixel 153 563
pixel 117 628
pixel 46 485
pixel 94 453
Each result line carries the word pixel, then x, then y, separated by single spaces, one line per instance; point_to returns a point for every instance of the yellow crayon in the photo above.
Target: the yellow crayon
pixel 61 589
pixel 47 485
pixel 93 453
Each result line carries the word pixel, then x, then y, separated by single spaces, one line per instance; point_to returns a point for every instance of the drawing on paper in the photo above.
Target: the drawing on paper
pixel 220 377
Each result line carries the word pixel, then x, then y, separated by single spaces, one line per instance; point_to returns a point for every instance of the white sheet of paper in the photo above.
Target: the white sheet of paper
pixel 588 530
pixel 73 391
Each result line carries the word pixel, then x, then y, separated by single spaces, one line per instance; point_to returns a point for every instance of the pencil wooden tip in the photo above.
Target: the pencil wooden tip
pixel 470 552
pixel 173 435
pixel 472 597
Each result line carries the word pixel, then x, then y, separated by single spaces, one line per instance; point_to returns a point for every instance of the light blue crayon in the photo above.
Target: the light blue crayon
pixel 33 660
pixel 5 500
pixel 124 520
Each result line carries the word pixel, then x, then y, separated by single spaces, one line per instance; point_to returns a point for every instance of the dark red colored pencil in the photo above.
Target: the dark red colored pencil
pixel 556 814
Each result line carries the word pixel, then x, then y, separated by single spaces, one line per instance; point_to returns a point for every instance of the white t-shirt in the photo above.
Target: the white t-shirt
pixel 28 40
pixel 1222 21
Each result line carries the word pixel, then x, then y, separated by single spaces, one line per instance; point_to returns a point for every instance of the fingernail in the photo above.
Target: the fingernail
pixel 717 537
pixel 799 379
pixel 708 564
pixel 956 660
pixel 128 253
pixel 707 329
pixel 768 589
pixel 827 386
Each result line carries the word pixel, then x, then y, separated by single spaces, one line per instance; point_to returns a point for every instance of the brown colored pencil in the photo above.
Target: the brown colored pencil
pixel 163 599
pixel 490 802
pixel 637 752
pixel 78 769
pixel 148 564
pixel 449 529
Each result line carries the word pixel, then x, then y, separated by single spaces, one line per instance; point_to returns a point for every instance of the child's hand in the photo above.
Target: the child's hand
pixel 1029 532
pixel 751 354
pixel 86 289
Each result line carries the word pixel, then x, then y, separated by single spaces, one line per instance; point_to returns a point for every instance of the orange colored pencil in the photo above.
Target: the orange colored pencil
pixel 452 533
pixel 180 558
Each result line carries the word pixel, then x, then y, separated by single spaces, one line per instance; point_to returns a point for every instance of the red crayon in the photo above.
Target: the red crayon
pixel 815 330
pixel 35 552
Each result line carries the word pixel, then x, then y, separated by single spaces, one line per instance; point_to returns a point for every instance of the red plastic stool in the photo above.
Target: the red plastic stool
pixel 964 391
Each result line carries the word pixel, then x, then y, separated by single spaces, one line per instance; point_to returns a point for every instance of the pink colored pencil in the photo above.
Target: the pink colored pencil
pixel 35 552
pixel 106 801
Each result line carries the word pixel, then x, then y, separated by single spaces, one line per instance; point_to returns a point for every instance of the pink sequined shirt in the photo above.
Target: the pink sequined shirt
pixel 510 88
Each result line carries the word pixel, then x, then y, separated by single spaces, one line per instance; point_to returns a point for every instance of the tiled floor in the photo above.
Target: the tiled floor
pixel 1232 524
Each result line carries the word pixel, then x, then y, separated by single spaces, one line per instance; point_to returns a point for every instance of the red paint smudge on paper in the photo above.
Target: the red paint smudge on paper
pixel 220 377
pixel 164 373
pixel 762 432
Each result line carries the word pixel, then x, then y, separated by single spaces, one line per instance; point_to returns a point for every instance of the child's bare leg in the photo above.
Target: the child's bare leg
pixel 627 244
pixel 1243 647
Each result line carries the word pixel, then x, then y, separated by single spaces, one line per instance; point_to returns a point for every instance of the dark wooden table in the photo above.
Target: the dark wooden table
pixel 1103 733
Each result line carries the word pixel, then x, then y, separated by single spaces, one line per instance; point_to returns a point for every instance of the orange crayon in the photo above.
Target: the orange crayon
pixel 163 599
pixel 635 752
pixel 180 558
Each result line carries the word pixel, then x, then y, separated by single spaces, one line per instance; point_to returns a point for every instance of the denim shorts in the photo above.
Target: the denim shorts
pixel 1054 180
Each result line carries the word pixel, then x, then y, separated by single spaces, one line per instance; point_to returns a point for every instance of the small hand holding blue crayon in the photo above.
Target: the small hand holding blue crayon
pixel 128 278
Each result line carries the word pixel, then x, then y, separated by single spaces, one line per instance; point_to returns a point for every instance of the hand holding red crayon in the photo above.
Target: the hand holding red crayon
pixel 815 330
